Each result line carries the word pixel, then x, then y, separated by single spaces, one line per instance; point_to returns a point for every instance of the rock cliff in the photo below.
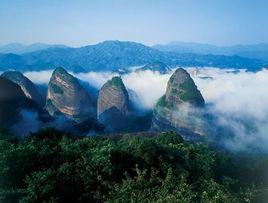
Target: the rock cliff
pixel 27 86
pixel 12 101
pixel 180 108
pixel 67 96
pixel 113 104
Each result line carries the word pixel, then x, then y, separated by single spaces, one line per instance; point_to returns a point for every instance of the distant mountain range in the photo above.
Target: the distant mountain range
pixel 257 51
pixel 115 55
pixel 17 48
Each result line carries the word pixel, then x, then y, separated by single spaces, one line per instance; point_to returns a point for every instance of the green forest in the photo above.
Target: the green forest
pixel 52 166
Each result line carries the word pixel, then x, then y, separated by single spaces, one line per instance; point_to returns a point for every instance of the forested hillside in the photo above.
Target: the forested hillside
pixel 51 166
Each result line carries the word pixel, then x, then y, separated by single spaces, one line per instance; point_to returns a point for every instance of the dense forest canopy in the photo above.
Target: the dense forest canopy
pixel 51 166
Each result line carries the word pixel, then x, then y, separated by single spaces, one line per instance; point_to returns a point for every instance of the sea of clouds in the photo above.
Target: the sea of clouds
pixel 239 99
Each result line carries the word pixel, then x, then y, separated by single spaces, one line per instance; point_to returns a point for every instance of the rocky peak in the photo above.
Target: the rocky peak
pixel 18 113
pixel 182 89
pixel 10 91
pixel 12 99
pixel 178 108
pixel 156 66
pixel 27 86
pixel 68 97
pixel 113 104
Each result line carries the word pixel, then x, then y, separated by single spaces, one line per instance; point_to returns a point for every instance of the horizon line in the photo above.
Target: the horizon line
pixel 111 40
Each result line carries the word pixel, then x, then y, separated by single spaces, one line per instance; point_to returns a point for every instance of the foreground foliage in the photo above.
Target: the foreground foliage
pixel 50 166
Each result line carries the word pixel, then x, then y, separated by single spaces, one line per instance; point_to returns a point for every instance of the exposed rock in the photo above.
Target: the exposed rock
pixel 182 89
pixel 67 96
pixel 156 66
pixel 113 104
pixel 27 86
pixel 180 109
pixel 12 102
pixel 11 99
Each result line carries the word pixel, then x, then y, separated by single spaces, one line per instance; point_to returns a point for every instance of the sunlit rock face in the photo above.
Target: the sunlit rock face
pixel 180 108
pixel 67 96
pixel 26 85
pixel 113 104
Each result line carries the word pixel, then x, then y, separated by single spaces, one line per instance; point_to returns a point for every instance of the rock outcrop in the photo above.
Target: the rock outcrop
pixel 11 98
pixel 67 96
pixel 12 102
pixel 156 66
pixel 180 108
pixel 113 105
pixel 27 86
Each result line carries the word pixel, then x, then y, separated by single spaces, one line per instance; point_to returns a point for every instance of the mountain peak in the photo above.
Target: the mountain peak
pixel 11 97
pixel 27 86
pixel 156 66
pixel 12 73
pixel 182 89
pixel 67 96
pixel 117 82
pixel 176 109
pixel 113 104
pixel 62 73
pixel 60 70
pixel 10 90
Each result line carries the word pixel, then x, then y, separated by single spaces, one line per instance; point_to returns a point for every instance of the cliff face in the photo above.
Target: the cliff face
pixel 12 99
pixel 113 104
pixel 26 85
pixel 66 96
pixel 180 108
pixel 181 89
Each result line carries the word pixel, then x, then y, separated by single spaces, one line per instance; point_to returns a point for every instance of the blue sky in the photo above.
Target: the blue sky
pixel 81 22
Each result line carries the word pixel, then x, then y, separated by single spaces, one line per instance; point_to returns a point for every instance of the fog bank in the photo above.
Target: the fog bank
pixel 238 99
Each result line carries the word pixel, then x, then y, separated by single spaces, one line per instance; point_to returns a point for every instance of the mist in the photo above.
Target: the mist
pixel 28 123
pixel 238 100
pixel 39 77
pixel 239 103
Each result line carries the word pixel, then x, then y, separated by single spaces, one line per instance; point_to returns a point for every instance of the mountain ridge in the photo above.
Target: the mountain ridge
pixel 115 55
pixel 257 51
pixel 18 48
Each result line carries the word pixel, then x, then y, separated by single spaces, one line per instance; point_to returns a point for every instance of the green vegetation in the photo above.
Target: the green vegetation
pixel 80 117
pixel 51 166
pixel 49 102
pixel 156 66
pixel 174 91
pixel 171 79
pixel 63 73
pixel 56 88
pixel 189 91
pixel 60 70
pixel 161 101
pixel 116 81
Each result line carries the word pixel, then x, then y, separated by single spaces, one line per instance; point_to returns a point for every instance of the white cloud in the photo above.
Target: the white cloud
pixel 96 79
pixel 148 85
pixel 244 92
pixel 240 102
pixel 39 77
pixel 239 98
